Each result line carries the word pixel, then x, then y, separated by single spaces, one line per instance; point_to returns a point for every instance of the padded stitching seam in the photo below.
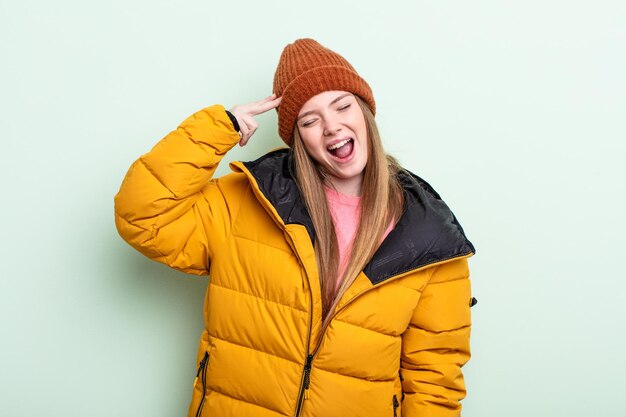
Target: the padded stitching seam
pixel 255 349
pixel 257 297
pixel 441 331
pixel 244 401
pixel 155 176
pixel 449 280
pixel 365 328
pixel 261 243
pixel 373 381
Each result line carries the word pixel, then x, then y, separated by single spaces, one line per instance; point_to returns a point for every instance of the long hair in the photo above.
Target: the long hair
pixel 382 202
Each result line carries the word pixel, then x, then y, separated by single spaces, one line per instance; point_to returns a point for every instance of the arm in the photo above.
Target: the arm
pixel 436 345
pixel 169 208
pixel 168 204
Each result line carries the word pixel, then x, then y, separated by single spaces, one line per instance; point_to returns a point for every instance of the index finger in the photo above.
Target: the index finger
pixel 267 103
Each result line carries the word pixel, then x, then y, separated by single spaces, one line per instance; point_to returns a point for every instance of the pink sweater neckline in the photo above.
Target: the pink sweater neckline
pixel 343 199
pixel 345 211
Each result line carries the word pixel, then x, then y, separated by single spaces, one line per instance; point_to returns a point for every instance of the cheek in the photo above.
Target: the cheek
pixel 357 123
pixel 360 128
pixel 311 144
pixel 363 134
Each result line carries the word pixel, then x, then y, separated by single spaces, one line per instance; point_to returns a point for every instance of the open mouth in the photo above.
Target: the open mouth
pixel 343 149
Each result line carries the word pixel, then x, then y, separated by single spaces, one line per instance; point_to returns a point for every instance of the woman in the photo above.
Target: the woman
pixel 338 281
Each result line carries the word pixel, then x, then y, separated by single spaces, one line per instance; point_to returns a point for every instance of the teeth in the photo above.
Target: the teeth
pixel 338 145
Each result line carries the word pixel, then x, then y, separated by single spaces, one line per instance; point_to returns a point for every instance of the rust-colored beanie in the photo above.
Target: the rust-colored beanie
pixel 306 69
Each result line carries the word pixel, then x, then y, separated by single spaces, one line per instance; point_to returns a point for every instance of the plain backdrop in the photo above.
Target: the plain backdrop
pixel 514 111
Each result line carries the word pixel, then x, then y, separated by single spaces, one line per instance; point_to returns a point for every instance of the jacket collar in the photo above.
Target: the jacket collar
pixel 426 233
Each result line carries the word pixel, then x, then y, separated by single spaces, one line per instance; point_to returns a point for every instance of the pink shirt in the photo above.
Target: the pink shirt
pixel 345 210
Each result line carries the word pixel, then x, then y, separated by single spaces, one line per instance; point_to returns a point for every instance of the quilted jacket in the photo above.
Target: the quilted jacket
pixel 398 337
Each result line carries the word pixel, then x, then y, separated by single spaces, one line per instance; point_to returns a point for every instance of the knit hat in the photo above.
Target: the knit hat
pixel 306 69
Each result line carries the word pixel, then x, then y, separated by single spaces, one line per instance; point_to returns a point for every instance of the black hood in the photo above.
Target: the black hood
pixel 426 233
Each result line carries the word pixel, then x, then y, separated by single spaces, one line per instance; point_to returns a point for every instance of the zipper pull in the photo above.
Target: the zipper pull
pixel 307 376
pixel 200 367
pixel 395 406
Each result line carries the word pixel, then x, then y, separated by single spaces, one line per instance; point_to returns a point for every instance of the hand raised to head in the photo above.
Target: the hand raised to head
pixel 244 113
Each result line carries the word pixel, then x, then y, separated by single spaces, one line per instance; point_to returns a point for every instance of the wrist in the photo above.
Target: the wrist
pixel 233 119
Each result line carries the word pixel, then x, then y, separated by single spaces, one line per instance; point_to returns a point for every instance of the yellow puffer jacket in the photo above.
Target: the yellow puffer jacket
pixel 399 336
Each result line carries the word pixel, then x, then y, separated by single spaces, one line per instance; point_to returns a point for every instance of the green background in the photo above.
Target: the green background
pixel 514 111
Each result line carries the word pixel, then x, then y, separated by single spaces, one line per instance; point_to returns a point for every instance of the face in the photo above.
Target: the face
pixel 333 130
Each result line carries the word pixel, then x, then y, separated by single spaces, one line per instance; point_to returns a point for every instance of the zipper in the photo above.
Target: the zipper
pixel 303 394
pixel 396 404
pixel 306 375
pixel 305 381
pixel 202 369
pixel 398 276
pixel 304 387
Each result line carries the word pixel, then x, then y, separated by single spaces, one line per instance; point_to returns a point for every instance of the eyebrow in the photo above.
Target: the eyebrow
pixel 332 102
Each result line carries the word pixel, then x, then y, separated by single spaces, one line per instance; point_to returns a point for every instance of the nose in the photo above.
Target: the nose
pixel 332 125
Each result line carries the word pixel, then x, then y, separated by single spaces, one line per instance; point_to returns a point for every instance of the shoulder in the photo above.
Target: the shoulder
pixel 429 214
pixel 275 161
pixel 416 185
pixel 263 169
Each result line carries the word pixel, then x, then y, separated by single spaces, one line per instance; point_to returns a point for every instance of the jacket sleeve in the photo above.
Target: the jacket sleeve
pixel 436 345
pixel 168 207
